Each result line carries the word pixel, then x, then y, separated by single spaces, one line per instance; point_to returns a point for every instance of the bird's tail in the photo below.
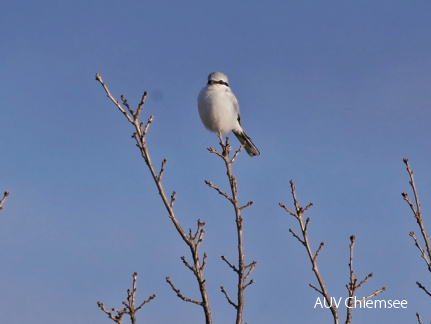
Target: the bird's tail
pixel 249 146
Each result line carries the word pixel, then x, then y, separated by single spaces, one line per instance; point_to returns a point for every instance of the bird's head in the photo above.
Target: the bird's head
pixel 218 78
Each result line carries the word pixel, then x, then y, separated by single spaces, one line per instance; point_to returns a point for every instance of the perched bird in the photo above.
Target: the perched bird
pixel 219 110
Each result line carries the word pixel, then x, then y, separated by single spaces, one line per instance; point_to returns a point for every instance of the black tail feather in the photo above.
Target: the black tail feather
pixel 250 148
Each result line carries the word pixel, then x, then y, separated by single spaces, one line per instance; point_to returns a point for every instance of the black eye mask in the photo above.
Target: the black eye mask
pixel 210 82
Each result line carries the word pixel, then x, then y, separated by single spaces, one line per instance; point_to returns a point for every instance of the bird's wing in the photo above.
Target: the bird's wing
pixel 235 104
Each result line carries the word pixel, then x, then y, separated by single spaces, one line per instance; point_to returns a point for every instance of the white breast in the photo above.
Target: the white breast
pixel 218 109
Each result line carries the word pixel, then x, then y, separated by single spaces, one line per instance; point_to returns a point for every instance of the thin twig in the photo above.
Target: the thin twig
pixel 168 280
pixel 116 318
pixel 246 205
pixel 423 288
pixel 322 244
pixel 297 237
pixel 422 251
pixel 227 297
pixel 250 268
pixel 192 268
pixel 249 283
pixel 159 177
pixel 210 184
pixel 378 291
pixel 5 195
pixel 419 318
pixel 316 289
pixel 229 264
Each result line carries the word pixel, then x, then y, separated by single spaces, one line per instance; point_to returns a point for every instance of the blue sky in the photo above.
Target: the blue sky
pixel 334 94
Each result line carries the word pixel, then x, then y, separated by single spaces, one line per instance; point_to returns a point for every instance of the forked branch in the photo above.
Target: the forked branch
pixel 193 241
pixel 129 307
pixel 242 270
pixel 298 214
pixel 417 213
pixel 353 285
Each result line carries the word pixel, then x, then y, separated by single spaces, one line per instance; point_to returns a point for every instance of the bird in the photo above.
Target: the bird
pixel 219 110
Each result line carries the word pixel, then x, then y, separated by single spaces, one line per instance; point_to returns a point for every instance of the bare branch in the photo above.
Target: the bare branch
pixel 296 236
pixel 173 198
pixel 318 250
pixel 416 209
pixel 140 132
pixel 210 184
pixel 192 268
pixel 125 104
pixel 378 291
pixel 250 268
pixel 186 299
pixel 365 280
pixel 110 96
pixel 204 261
pixel 147 125
pixel 116 318
pixel 129 308
pixel 249 283
pixel 241 268
pixel 423 288
pixel 146 301
pixel 246 205
pixel 229 264
pixel 308 206
pixel 213 151
pixel 162 168
pixel 417 213
pixel 199 231
pixel 5 195
pixel 306 224
pixel 317 289
pixel 227 297
pixel 303 239
pixel 141 106
pixel 422 251
pixel 419 318
pixel 352 285
pixel 288 210
pixel 236 153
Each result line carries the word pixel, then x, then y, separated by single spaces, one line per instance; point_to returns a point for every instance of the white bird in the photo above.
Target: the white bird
pixel 219 110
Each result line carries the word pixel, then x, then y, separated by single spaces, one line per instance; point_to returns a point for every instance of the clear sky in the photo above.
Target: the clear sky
pixel 333 93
